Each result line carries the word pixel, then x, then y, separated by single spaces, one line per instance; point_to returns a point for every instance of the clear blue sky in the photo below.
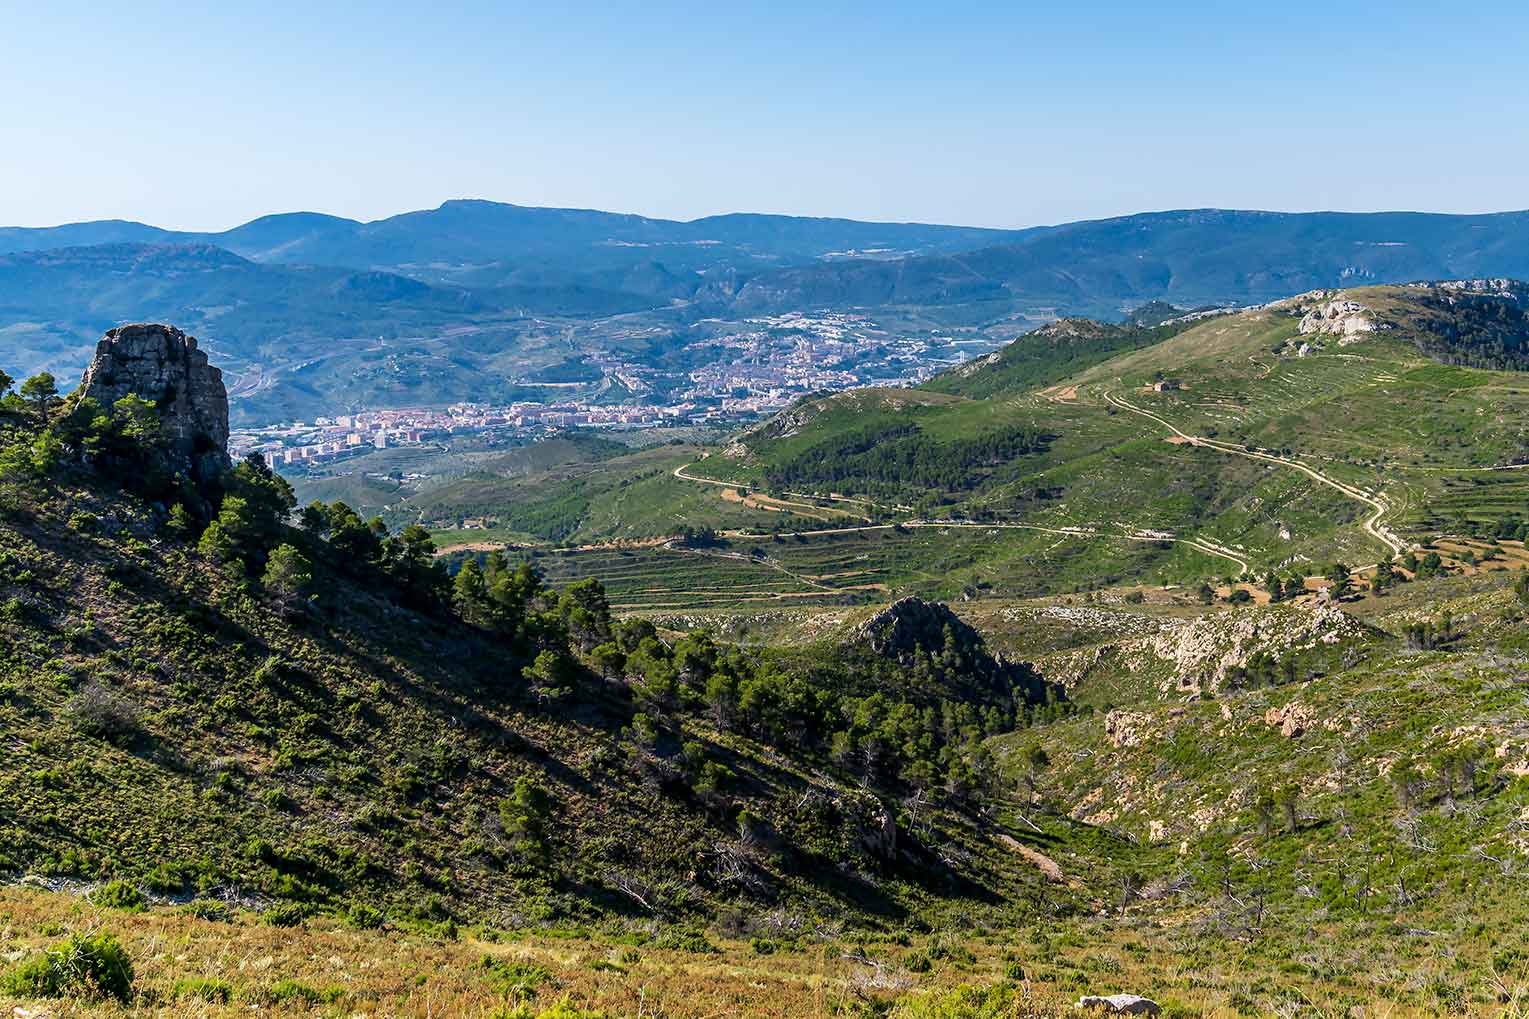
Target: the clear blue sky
pixel 1005 114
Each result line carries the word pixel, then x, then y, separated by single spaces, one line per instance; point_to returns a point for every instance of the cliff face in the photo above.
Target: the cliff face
pixel 162 364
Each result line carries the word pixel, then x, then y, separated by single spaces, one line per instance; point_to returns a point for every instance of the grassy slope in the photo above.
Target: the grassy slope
pixel 1366 903
pixel 1374 413
pixel 360 754
pixel 1184 775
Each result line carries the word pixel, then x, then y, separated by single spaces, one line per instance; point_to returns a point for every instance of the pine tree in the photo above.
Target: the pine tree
pixel 40 390
pixel 469 593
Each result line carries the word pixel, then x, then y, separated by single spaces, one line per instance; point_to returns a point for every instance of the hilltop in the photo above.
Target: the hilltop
pixel 1223 448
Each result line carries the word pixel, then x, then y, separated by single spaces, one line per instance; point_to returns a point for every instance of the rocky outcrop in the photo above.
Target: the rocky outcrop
pixel 912 624
pixel 1128 728
pixel 1202 654
pixel 1495 287
pixel 1292 720
pixel 1338 318
pixel 162 364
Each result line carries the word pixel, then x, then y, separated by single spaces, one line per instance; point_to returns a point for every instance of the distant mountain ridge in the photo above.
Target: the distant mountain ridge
pixel 470 230
pixel 1190 257
pixel 764 263
pixel 312 311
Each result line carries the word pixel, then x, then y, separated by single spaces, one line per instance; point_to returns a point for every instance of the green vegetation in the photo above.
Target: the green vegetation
pixel 896 457
pixel 230 668
pixel 1049 354
pixel 1169 739
pixel 85 966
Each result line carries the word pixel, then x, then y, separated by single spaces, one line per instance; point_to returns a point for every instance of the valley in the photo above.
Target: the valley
pixel 1258 455
pixel 1123 659
pixel 1064 555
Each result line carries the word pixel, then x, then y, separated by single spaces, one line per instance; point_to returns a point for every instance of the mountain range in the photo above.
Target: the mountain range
pixel 474 293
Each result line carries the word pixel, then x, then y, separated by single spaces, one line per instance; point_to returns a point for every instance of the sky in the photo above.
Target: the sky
pixel 200 117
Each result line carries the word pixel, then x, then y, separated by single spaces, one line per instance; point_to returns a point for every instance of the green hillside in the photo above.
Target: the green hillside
pixel 315 717
pixel 1225 446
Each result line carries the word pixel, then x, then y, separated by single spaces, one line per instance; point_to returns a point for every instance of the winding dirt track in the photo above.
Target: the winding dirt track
pixel 1372 525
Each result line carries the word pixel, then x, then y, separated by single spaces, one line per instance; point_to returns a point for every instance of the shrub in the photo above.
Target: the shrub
pixel 97 710
pixel 216 992
pixel 287 914
pixel 364 918
pixel 118 895
pixel 95 966
pixel 287 992
pixel 515 979
pixel 681 939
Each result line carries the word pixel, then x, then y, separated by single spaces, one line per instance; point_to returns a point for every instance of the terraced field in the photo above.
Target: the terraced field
pixel 872 564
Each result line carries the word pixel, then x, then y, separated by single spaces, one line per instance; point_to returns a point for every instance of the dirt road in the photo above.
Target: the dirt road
pixel 1372 525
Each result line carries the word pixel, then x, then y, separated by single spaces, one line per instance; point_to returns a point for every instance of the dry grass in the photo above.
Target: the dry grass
pixel 394 973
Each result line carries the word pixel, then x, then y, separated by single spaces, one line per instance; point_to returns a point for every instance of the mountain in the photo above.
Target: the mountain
pixel 1193 257
pixel 1339 425
pixel 464 234
pixel 318 314
pixel 254 316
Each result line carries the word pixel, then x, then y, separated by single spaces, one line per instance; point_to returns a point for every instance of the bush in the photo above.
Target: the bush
pixel 515 979
pixel 93 966
pixel 216 992
pixel 364 918
pixel 292 992
pixel 285 915
pixel 118 895
pixel 97 710
pixel 681 939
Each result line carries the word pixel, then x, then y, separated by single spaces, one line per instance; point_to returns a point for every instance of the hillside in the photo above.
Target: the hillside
pixel 258 730
pixel 1318 429
pixel 1050 354
pixel 1189 257
pixel 306 714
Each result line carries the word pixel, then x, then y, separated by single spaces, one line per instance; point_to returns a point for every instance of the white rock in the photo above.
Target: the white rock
pixel 1120 1004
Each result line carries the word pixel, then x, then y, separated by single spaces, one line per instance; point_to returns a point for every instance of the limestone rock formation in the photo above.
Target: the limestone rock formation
pixel 1203 654
pixel 1338 318
pixel 162 364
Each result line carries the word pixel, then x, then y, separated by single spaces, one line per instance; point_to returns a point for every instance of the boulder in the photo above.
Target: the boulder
pixel 1120 1004
pixel 912 624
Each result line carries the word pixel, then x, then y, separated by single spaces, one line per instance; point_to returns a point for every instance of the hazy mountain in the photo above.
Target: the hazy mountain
pixel 470 233
pixel 462 286
pixel 1189 257
pixel 54 304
